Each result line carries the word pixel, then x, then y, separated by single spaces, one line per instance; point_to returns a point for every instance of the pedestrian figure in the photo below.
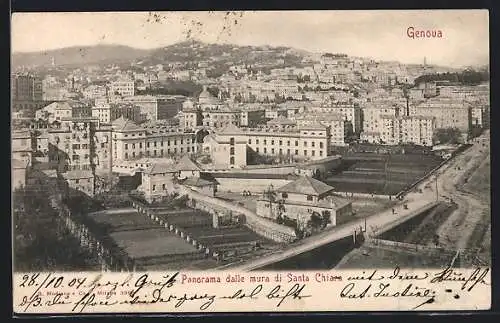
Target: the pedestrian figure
pixel 393 211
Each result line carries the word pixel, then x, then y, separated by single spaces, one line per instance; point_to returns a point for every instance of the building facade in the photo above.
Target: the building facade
pixel 131 141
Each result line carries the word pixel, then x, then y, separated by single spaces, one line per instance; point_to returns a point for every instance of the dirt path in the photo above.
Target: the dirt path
pixel 460 231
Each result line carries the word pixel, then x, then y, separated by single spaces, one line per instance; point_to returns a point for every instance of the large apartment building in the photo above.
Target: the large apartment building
pixel 340 127
pixel 418 130
pixel 123 87
pixel 107 113
pixel 26 87
pixel 307 142
pixel 372 116
pixel 157 107
pixel 349 112
pixel 131 141
pixel 448 114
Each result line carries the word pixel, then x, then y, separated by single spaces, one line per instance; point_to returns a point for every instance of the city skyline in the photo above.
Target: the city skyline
pixel 382 35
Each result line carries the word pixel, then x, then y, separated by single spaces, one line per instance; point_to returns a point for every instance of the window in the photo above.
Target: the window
pixel 257 149
pixel 231 160
pixel 175 142
pixel 281 142
pixel 140 145
pixel 296 143
pixel 321 145
pixel 265 141
pixel 182 141
pixel 265 150
pixel 312 153
pixel 296 152
pixel 288 143
pixel 133 154
pixel 154 152
pixel 284 195
pixel 154 187
pixel 188 149
pixel 288 151
pixel 231 151
pixel 102 145
pixel 182 150
pixel 272 151
pixel 312 143
pixel 126 155
pixel 309 197
pixel 305 152
pixel 272 142
pixel 231 141
pixel 321 152
pixel 305 143
pixel 148 144
pixel 257 141
pixel 161 143
pixel 163 186
pixel 168 142
pixel 154 144
pixel 126 146
pixel 249 141
pixel 281 151
pixel 133 146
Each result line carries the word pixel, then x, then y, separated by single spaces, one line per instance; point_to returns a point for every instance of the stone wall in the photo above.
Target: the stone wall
pixel 261 226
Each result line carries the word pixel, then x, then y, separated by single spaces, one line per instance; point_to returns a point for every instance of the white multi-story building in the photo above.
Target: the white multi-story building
pixel 372 116
pixel 124 87
pixel 308 142
pixel 349 112
pixel 418 130
pixel 131 141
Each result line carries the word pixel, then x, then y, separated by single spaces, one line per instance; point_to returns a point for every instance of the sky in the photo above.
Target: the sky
pixel 382 35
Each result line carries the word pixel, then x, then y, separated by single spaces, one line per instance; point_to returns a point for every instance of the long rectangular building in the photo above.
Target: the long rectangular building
pixel 308 142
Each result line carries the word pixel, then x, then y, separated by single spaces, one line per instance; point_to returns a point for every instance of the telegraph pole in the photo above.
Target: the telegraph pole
pixel 437 191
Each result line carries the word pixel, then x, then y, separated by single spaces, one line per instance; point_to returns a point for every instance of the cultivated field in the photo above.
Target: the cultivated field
pixel 381 174
pixel 140 238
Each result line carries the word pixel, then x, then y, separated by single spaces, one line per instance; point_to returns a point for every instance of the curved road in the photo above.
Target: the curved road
pixel 375 223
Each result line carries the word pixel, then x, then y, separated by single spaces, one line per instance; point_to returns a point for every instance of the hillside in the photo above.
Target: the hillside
pixel 82 55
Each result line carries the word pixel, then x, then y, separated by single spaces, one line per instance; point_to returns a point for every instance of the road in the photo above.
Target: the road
pixel 471 208
pixel 419 199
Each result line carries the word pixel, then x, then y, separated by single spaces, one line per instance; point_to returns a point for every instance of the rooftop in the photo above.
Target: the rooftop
pixel 306 185
pixel 185 163
pixel 160 168
pixel 123 124
pixel 197 182
pixel 78 174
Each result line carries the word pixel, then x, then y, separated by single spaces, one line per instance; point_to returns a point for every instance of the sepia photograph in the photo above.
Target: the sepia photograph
pixel 250 141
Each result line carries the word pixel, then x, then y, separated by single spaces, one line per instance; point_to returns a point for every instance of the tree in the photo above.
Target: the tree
pixel 448 135
pixel 270 195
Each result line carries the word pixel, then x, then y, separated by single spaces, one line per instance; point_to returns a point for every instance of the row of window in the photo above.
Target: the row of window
pixel 155 143
pixel 313 144
pixel 288 152
pixel 156 153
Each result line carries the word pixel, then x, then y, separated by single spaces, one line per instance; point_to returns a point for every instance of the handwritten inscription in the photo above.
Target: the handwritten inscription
pixel 105 292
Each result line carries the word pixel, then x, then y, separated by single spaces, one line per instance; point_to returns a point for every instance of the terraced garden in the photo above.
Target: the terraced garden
pixel 380 174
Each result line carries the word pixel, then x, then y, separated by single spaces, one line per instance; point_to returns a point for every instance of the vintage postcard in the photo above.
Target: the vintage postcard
pixel 268 161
